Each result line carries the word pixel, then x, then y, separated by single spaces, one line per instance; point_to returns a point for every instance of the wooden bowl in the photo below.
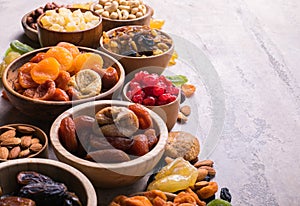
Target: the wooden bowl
pixel 132 65
pixel 58 171
pixel 38 133
pixel 109 175
pixel 49 110
pixel 168 112
pixel 108 24
pixel 31 33
pixel 86 38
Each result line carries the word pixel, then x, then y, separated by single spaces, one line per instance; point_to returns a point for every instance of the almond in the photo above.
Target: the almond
pixel 199 185
pixel 211 171
pixel 24 153
pixel 25 129
pixel 36 147
pixel 4 153
pixel 202 173
pixel 11 142
pixel 204 163
pixel 14 152
pixel 8 134
pixel 35 140
pixel 186 110
pixel 26 141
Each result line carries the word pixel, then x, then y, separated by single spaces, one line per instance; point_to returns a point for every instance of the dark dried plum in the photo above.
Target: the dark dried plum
pixel 225 194
pixel 44 193
pixel 27 177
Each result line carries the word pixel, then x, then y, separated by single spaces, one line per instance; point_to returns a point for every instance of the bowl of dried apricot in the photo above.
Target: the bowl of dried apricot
pixel 47 81
pixel 138 48
pixel 114 143
pixel 22 141
pixel 38 181
pixel 81 27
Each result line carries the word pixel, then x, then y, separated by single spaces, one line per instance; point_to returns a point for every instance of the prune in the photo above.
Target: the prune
pixel 225 194
pixel 28 177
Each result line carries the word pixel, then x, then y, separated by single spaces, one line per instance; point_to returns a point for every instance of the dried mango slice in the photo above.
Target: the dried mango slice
pixel 173 58
pixel 47 69
pixel 156 23
pixel 62 55
pixel 87 61
pixel 87 83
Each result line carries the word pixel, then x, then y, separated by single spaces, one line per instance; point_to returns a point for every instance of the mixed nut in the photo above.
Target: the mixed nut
pixel 19 142
pixel 120 133
pixel 120 9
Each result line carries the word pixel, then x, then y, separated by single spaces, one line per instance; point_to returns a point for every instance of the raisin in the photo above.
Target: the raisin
pixel 225 194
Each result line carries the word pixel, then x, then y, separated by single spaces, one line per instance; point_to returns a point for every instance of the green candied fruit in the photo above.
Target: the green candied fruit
pixel 218 202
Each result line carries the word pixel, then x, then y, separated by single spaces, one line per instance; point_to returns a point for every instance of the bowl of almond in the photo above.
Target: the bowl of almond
pixel 22 141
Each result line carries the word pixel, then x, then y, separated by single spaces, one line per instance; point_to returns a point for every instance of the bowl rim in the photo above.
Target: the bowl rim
pixel 40 26
pixel 125 89
pixel 46 102
pixel 150 12
pixel 91 198
pixel 57 146
pixel 45 146
pixel 136 58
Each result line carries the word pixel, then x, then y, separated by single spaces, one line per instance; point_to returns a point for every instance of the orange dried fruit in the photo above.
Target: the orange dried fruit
pixel 62 55
pixel 24 76
pixel 47 69
pixel 87 60
pixel 71 47
pixel 38 57
pixel 188 89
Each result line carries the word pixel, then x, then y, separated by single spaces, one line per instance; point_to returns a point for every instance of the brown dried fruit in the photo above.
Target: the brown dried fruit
pixel 25 129
pixel 207 191
pixel 184 197
pixel 4 153
pixel 202 173
pixel 121 143
pixel 199 185
pixel 108 156
pixel 181 118
pixel 24 153
pixel 26 141
pixel 13 200
pixel 8 134
pixel 14 152
pixel 186 110
pixel 67 134
pixel 209 163
pixel 188 89
pixel 137 201
pixel 195 196
pixel 36 147
pixel 152 138
pixel 140 145
pixel 11 142
pixel 145 120
pixel 211 171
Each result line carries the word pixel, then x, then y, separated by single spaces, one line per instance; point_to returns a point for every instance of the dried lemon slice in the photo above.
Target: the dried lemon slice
pixel 87 83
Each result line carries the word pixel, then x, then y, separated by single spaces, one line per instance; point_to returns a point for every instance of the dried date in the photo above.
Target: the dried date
pixel 67 134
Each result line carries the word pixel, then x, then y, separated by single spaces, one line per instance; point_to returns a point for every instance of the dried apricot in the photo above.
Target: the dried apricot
pixel 24 76
pixel 87 60
pixel 188 89
pixel 71 47
pixel 38 57
pixel 45 91
pixel 137 201
pixel 47 69
pixel 62 80
pixel 60 95
pixel 62 55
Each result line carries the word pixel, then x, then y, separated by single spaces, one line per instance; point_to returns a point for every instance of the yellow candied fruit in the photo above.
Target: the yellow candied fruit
pixel 156 23
pixel 173 58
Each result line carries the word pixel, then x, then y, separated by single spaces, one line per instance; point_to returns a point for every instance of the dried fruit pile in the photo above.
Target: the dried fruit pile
pixel 115 134
pixel 37 189
pixel 63 73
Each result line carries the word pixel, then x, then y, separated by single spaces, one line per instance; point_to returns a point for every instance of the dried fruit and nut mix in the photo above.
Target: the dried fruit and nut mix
pixel 137 41
pixel 151 89
pixel 115 134
pixel 37 189
pixel 63 73
pixel 65 20
pixel 120 9
pixel 19 142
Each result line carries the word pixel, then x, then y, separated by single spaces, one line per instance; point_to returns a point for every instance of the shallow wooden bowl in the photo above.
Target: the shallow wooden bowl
pixel 86 38
pixel 168 112
pixel 106 175
pixel 49 110
pixel 31 33
pixel 58 171
pixel 108 24
pixel 132 65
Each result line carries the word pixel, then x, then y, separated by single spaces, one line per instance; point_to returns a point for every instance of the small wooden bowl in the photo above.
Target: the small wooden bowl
pixel 109 175
pixel 49 110
pixel 40 134
pixel 132 65
pixel 58 171
pixel 31 33
pixel 86 38
pixel 108 24
pixel 168 112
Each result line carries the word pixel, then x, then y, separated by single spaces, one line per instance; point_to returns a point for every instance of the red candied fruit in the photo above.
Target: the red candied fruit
pixel 151 89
